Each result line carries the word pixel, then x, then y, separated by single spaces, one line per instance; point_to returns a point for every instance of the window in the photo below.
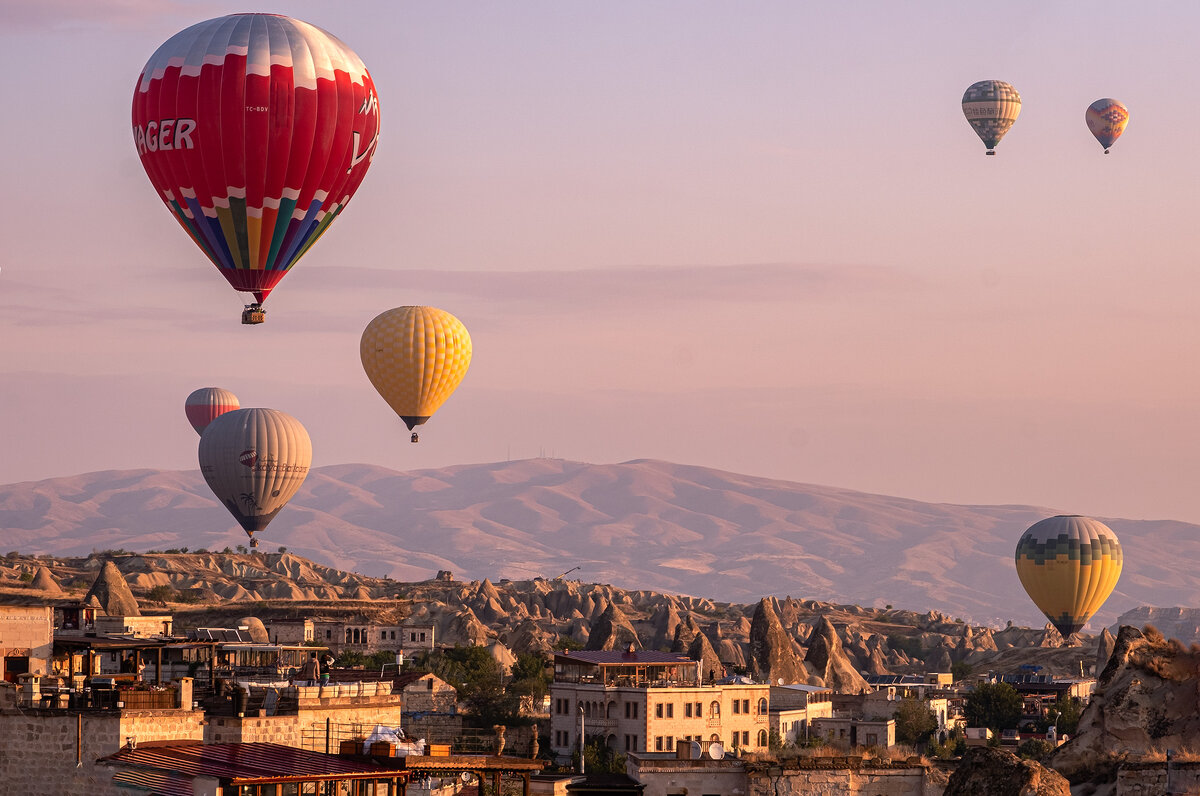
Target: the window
pixel 393 635
pixel 670 710
pixel 383 635
pixel 734 742
pixel 746 706
pixel 631 743
pixel 658 743
pixel 687 710
pixel 699 712
pixel 745 737
pixel 762 737
pixel 737 706
pixel 658 713
pixel 328 634
pixel 762 706
pixel 714 710
pixel 872 739
pixel 670 743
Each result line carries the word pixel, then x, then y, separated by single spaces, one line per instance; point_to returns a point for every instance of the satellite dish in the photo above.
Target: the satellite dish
pixel 696 751
pixel 716 750
pixel 465 776
pixel 780 681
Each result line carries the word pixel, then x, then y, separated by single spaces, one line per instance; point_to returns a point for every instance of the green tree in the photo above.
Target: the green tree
pixel 961 671
pixel 26 577
pixel 161 593
pixel 915 722
pixel 1064 716
pixel 600 759
pixel 479 680
pixel 997 706
pixel 529 678
pixel 1034 749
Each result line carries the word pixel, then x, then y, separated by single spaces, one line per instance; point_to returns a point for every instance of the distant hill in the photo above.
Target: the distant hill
pixel 637 525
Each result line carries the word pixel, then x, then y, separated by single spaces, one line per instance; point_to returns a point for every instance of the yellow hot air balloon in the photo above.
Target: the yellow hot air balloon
pixel 991 107
pixel 1106 118
pixel 415 357
pixel 254 461
pixel 1069 565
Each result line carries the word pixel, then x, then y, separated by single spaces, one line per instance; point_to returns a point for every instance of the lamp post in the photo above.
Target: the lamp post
pixel 581 752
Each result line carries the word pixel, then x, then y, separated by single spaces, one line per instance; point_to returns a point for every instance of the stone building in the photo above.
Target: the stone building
pixel 26 640
pixel 355 635
pixel 645 701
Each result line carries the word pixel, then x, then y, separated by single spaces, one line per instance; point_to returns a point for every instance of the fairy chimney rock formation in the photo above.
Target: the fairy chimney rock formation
pixel 772 656
pixel 827 660
pixel 111 593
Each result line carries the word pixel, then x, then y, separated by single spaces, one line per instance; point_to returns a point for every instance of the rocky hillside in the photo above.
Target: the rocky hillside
pixel 1146 699
pixel 798 640
pixel 636 525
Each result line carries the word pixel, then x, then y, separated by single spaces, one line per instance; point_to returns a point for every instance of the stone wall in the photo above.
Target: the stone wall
pixel 41 748
pixel 857 779
pixel 1150 779
pixel 290 730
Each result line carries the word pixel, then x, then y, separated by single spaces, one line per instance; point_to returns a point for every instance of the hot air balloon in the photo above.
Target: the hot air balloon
pixel 1106 118
pixel 1068 566
pixel 255 129
pixel 415 357
pixel 255 460
pixel 991 106
pixel 207 404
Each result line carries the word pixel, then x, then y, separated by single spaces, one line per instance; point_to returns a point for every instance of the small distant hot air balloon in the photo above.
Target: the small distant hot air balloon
pixel 255 460
pixel 1068 566
pixel 1106 118
pixel 415 357
pixel 991 106
pixel 207 404
pixel 255 130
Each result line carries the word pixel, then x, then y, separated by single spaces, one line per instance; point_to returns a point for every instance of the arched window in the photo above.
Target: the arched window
pixel 714 709
pixel 762 737
pixel 762 706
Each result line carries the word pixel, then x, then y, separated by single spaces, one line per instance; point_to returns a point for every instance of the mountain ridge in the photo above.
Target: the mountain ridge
pixel 643 524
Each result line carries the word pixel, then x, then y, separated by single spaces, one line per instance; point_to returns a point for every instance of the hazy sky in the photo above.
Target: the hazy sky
pixel 754 236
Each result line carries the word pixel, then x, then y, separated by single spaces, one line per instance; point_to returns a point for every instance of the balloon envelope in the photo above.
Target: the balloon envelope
pixel 415 357
pixel 255 129
pixel 255 460
pixel 1068 566
pixel 207 404
pixel 991 107
pixel 1106 118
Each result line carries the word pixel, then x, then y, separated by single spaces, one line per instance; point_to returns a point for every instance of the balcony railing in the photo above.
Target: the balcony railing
pixel 714 721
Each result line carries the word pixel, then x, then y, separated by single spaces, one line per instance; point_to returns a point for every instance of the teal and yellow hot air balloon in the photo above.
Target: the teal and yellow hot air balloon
pixel 1106 118
pixel 991 106
pixel 1069 565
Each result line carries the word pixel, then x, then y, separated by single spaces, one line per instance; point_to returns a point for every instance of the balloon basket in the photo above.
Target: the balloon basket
pixel 254 313
pixel 990 152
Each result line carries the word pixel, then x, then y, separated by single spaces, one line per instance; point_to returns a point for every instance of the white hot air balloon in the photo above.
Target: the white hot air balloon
pixel 254 461
pixel 207 404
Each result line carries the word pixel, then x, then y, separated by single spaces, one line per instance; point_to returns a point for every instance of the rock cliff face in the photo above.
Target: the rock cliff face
pixel 827 662
pixel 612 631
pixel 772 656
pixel 1146 698
pixel 994 772
pixel 1180 623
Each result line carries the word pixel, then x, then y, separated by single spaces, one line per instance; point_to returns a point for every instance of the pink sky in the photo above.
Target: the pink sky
pixel 760 238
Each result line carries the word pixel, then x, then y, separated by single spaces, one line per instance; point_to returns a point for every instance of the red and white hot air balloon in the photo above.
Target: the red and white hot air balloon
pixel 256 130
pixel 207 404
